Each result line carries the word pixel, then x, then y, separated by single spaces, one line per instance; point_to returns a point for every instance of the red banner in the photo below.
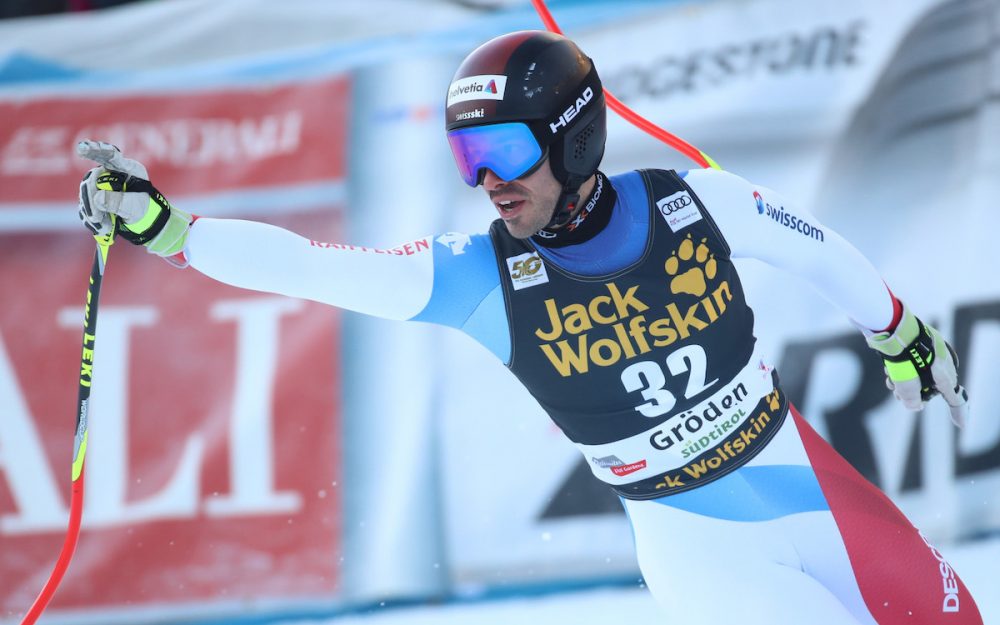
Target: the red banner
pixel 190 142
pixel 212 471
pixel 213 467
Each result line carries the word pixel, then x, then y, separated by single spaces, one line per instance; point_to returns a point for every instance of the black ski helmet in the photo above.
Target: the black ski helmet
pixel 544 81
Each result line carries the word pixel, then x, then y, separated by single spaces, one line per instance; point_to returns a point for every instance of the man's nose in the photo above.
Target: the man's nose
pixel 491 181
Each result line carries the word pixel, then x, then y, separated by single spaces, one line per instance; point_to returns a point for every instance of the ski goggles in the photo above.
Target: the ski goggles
pixel 509 150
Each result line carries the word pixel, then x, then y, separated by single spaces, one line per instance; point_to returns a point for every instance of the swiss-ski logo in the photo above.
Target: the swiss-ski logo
pixel 473 114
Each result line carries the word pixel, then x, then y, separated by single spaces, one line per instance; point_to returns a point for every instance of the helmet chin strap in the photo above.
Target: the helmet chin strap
pixel 566 205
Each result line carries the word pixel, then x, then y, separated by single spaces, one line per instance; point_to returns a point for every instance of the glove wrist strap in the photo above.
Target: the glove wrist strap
pixel 156 217
pixel 914 362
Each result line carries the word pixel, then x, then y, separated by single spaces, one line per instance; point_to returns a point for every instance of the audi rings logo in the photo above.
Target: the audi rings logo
pixel 679 210
pixel 675 204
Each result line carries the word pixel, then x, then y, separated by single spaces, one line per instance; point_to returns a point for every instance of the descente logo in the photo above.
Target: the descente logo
pixel 485 87
pixel 949 583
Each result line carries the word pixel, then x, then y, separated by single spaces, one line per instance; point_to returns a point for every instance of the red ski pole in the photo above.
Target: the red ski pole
pixel 80 438
pixel 631 116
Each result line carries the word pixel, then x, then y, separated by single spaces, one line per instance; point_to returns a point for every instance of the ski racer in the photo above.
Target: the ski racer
pixel 614 299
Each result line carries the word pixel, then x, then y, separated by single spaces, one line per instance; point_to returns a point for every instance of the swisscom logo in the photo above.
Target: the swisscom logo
pixel 485 87
pixel 793 222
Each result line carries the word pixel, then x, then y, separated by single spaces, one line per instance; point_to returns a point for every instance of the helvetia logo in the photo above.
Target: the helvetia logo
pixel 486 87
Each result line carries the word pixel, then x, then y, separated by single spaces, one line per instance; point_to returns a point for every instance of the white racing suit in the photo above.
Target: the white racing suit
pixel 632 332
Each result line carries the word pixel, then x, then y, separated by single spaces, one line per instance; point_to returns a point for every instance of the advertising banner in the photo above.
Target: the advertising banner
pixel 196 142
pixel 213 470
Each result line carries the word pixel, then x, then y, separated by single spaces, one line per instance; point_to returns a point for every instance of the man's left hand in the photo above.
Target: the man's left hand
pixel 920 364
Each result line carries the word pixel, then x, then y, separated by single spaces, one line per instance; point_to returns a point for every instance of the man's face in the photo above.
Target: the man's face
pixel 524 204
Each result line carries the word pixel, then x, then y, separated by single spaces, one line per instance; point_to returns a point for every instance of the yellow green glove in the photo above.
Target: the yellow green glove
pixel 920 364
pixel 120 186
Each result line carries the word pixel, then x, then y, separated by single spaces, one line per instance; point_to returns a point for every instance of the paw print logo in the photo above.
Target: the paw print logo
pixel 773 402
pixel 689 266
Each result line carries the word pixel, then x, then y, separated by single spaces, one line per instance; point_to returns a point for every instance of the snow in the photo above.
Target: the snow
pixel 977 562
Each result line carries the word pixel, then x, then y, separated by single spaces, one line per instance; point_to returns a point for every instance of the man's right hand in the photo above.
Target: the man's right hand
pixel 120 187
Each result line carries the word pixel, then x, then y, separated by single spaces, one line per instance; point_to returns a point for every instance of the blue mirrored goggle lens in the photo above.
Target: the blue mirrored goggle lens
pixel 508 150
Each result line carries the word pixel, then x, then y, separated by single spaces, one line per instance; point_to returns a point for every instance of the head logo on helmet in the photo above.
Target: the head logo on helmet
pixel 572 110
pixel 521 98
